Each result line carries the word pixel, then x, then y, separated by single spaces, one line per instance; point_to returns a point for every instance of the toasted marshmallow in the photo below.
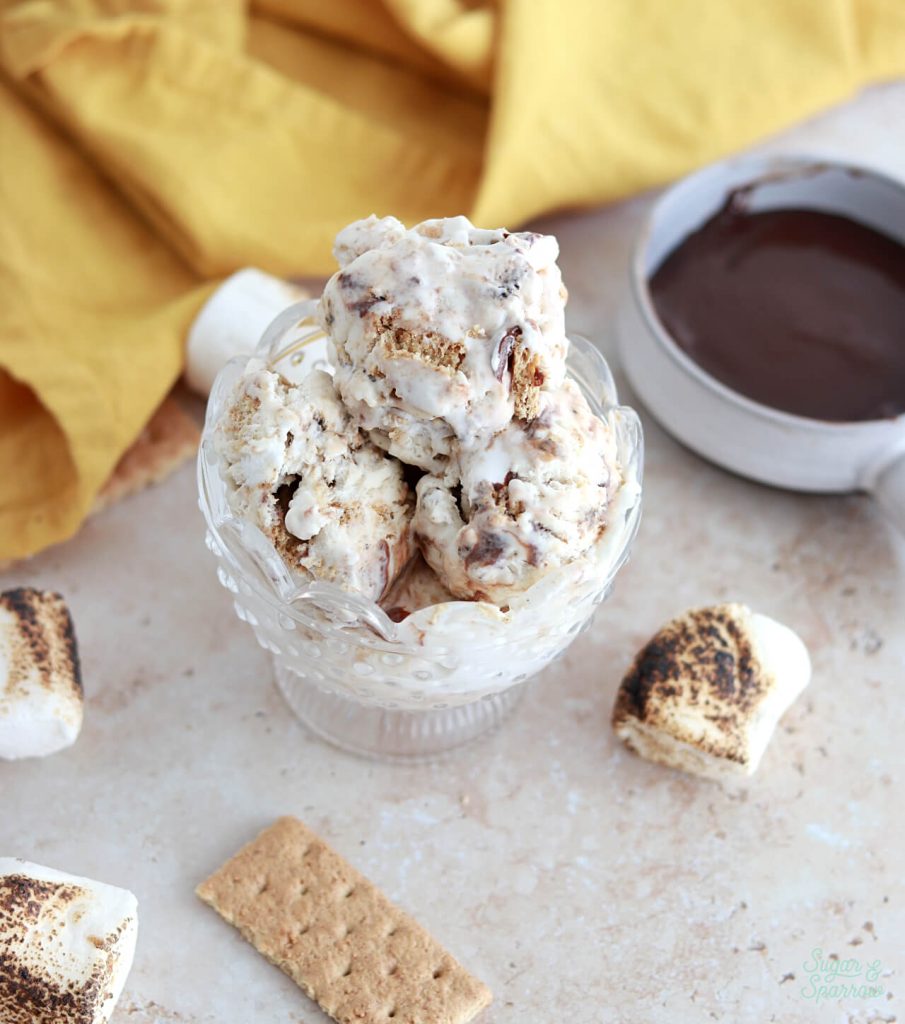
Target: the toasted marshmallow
pixel 704 695
pixel 40 681
pixel 66 945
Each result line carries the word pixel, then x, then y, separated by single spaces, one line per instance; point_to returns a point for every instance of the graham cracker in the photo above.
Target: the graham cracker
pixel 170 438
pixel 360 957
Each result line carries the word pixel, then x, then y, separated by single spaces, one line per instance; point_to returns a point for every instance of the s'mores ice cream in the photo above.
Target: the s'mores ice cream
pixel 447 429
pixel 706 692
pixel 41 703
pixel 66 945
pixel 531 498
pixel 442 333
pixel 335 507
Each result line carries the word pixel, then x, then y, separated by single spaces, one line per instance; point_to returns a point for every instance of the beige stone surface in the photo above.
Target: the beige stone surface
pixel 581 883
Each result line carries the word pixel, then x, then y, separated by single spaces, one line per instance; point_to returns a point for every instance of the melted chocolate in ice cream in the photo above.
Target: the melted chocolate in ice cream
pixel 799 310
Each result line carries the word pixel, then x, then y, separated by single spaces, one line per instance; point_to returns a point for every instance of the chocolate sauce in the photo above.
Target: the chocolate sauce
pixel 799 310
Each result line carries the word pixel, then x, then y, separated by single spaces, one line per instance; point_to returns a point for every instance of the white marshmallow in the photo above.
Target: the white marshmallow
pixel 785 658
pixel 66 945
pixel 232 321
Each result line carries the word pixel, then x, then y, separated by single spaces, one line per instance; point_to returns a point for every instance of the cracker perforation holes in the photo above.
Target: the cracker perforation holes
pixel 347 971
pixel 264 886
pixel 392 969
pixel 348 893
pixel 438 973
pixel 391 1012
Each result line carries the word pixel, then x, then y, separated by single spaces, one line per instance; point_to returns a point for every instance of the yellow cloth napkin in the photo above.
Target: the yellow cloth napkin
pixel 150 146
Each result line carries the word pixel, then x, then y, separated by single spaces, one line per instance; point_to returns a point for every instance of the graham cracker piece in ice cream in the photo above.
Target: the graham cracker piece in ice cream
pixel 398 341
pixel 526 376
pixel 360 957
pixel 527 381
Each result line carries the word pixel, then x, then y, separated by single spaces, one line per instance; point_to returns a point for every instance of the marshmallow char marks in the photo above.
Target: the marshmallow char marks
pixel 41 699
pixel 706 692
pixel 66 945
pixel 335 507
pixel 442 333
pixel 532 498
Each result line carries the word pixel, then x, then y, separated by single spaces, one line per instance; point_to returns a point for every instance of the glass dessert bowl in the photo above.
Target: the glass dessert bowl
pixel 422 672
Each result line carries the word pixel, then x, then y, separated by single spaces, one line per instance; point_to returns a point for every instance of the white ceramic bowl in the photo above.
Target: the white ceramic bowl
pixel 445 673
pixel 755 440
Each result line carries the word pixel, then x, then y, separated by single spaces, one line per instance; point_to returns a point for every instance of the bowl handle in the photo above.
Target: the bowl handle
pixel 887 485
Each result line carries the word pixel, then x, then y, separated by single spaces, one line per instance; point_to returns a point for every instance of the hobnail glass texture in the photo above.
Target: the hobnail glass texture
pixel 446 673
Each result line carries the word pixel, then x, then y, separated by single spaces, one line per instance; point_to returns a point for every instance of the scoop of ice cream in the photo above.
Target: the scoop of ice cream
pixel 705 693
pixel 335 506
pixel 532 498
pixel 442 333
pixel 41 703
pixel 66 945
